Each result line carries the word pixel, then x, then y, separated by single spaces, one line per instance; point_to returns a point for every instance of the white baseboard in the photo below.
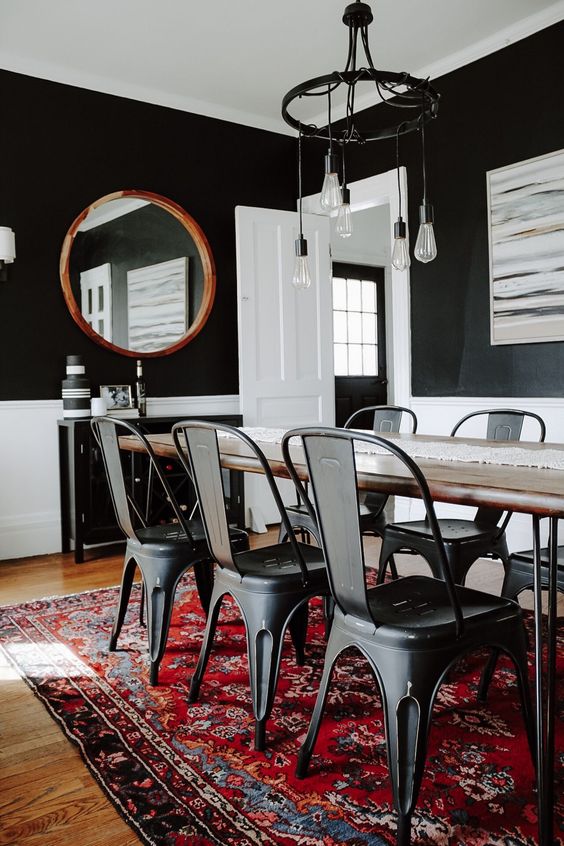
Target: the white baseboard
pixel 29 494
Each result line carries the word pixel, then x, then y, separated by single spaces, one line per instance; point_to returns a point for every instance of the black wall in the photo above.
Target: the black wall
pixel 62 148
pixel 499 110
pixel 66 147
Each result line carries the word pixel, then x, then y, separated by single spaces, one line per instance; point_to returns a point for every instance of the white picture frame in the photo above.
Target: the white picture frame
pixel 526 250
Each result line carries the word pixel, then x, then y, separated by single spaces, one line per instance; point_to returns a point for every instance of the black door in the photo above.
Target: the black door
pixel 359 327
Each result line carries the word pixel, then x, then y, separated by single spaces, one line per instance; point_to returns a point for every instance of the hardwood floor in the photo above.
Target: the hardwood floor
pixel 47 796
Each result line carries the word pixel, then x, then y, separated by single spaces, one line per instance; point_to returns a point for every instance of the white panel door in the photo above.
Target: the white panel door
pixel 286 375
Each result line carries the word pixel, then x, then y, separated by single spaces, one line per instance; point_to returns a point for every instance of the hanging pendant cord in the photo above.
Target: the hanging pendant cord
pixel 423 154
pixel 398 130
pixel 300 178
pixel 329 119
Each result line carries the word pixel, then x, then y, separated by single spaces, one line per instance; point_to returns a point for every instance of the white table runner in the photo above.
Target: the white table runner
pixel 515 456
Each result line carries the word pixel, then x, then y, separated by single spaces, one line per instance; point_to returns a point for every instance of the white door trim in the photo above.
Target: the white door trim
pixel 378 190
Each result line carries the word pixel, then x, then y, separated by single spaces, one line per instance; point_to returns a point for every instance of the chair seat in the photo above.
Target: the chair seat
pixel 172 534
pixel 527 557
pixel 452 531
pixel 415 612
pixel 277 563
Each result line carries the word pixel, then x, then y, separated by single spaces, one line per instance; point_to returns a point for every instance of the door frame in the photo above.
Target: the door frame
pixel 378 190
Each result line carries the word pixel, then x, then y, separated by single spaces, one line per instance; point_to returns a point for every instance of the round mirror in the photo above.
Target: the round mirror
pixel 138 274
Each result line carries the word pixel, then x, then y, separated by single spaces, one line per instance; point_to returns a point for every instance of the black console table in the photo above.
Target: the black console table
pixel 87 514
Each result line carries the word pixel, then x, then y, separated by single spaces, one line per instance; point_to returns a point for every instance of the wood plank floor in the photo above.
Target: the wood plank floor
pixel 47 796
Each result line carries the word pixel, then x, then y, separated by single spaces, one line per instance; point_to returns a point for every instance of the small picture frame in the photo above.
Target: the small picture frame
pixel 117 396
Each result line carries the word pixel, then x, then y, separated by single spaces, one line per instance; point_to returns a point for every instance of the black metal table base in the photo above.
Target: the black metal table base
pixel 545 683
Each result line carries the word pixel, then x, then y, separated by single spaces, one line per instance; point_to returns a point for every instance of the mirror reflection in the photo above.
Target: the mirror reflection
pixel 137 272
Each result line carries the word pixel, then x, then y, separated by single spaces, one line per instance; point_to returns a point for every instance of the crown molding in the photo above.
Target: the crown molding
pixel 52 72
pixel 94 82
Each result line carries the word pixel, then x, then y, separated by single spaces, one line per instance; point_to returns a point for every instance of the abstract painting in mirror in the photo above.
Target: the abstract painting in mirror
pixel 137 273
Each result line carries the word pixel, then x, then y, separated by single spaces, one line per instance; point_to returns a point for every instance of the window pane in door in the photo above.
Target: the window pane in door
pixel 355 328
pixel 340 327
pixel 369 360
pixel 368 328
pixel 368 295
pixel 353 289
pixel 100 298
pixel 355 360
pixel 339 293
pixel 341 363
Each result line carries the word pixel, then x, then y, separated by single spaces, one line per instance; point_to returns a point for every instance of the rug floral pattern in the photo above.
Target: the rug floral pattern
pixel 187 775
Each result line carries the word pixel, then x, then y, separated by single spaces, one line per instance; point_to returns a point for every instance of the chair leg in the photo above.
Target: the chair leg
pixel 386 557
pixel 160 588
pixel 123 601
pixel 335 645
pixel 328 612
pixel 266 618
pixel 204 575
pixel 298 630
pixel 408 699
pixel 209 633
pixel 487 675
pixel 142 605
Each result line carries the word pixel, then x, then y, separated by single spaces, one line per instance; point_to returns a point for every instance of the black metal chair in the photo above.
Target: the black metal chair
pixel 271 585
pixel 465 540
pixel 163 553
pixel 411 630
pixel 520 576
pixel 386 418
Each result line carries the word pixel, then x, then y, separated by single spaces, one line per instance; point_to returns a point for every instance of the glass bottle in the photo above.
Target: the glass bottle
pixel 140 390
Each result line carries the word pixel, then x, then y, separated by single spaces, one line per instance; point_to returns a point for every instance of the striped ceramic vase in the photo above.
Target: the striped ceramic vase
pixel 76 389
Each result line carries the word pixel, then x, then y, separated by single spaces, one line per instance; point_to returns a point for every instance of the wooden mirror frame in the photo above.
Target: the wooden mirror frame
pixel 204 251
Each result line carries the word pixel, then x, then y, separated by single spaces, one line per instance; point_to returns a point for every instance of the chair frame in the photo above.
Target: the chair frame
pixel 462 553
pixel 407 672
pixel 162 561
pixel 268 609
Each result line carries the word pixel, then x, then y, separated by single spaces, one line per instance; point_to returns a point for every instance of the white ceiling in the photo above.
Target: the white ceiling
pixel 235 59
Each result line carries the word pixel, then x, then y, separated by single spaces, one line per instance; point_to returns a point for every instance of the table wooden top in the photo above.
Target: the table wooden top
pixel 523 489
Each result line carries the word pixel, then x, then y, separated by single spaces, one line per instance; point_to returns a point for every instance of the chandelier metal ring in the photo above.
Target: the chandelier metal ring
pixel 423 96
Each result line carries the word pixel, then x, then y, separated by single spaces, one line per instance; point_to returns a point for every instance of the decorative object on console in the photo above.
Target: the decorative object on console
pixel 526 240
pixel 397 90
pixel 76 389
pixel 119 400
pixel 140 390
pixel 98 406
pixel 7 250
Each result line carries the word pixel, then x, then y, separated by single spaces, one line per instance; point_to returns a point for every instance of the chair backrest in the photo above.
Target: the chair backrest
pixel 386 418
pixel 200 438
pixel 331 464
pixel 107 431
pixel 503 424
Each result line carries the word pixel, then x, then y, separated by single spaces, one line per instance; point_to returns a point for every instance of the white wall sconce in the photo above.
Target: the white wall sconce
pixel 7 250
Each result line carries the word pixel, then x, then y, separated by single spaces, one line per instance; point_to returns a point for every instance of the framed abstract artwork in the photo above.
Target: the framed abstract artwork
pixel 157 299
pixel 526 240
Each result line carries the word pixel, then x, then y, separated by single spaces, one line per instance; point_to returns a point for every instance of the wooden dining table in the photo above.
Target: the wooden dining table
pixel 537 491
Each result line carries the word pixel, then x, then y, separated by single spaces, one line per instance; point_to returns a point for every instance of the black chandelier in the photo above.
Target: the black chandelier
pixel 398 90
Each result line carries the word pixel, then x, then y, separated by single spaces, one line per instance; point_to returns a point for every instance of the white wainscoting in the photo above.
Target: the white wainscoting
pixel 29 467
pixel 437 415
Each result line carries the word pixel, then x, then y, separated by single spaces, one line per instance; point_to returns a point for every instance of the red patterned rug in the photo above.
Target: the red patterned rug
pixel 187 774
